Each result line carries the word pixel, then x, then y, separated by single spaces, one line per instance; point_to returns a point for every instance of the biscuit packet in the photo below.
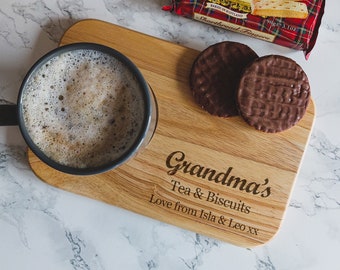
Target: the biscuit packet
pixel 290 23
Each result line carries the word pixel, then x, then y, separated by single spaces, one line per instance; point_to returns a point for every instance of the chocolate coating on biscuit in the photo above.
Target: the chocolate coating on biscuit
pixel 273 93
pixel 215 75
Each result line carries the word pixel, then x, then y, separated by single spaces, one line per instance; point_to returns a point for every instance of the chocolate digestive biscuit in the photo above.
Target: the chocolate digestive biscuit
pixel 273 93
pixel 215 75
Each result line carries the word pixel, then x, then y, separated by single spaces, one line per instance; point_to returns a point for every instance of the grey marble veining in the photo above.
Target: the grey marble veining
pixel 45 228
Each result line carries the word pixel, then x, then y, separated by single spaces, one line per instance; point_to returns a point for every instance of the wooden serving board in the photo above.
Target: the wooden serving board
pixel 215 176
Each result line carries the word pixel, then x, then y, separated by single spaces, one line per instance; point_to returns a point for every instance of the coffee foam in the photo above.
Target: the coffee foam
pixel 83 108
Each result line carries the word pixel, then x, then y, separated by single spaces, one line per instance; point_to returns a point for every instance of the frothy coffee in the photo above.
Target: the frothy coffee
pixel 83 108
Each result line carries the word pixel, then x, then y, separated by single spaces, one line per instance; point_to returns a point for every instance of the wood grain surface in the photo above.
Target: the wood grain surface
pixel 218 177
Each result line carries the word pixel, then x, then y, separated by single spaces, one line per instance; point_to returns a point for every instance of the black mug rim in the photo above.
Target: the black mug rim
pixel 147 109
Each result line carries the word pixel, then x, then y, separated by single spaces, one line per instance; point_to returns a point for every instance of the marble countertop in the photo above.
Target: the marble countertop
pixel 42 227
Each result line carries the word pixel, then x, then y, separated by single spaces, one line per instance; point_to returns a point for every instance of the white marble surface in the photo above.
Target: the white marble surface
pixel 45 228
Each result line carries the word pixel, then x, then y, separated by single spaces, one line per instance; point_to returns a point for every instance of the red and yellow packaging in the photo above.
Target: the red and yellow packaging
pixel 290 23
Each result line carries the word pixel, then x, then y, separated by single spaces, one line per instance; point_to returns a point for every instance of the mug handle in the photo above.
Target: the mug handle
pixel 8 115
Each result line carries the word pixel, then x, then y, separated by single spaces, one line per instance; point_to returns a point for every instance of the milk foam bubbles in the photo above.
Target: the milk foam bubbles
pixel 83 108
